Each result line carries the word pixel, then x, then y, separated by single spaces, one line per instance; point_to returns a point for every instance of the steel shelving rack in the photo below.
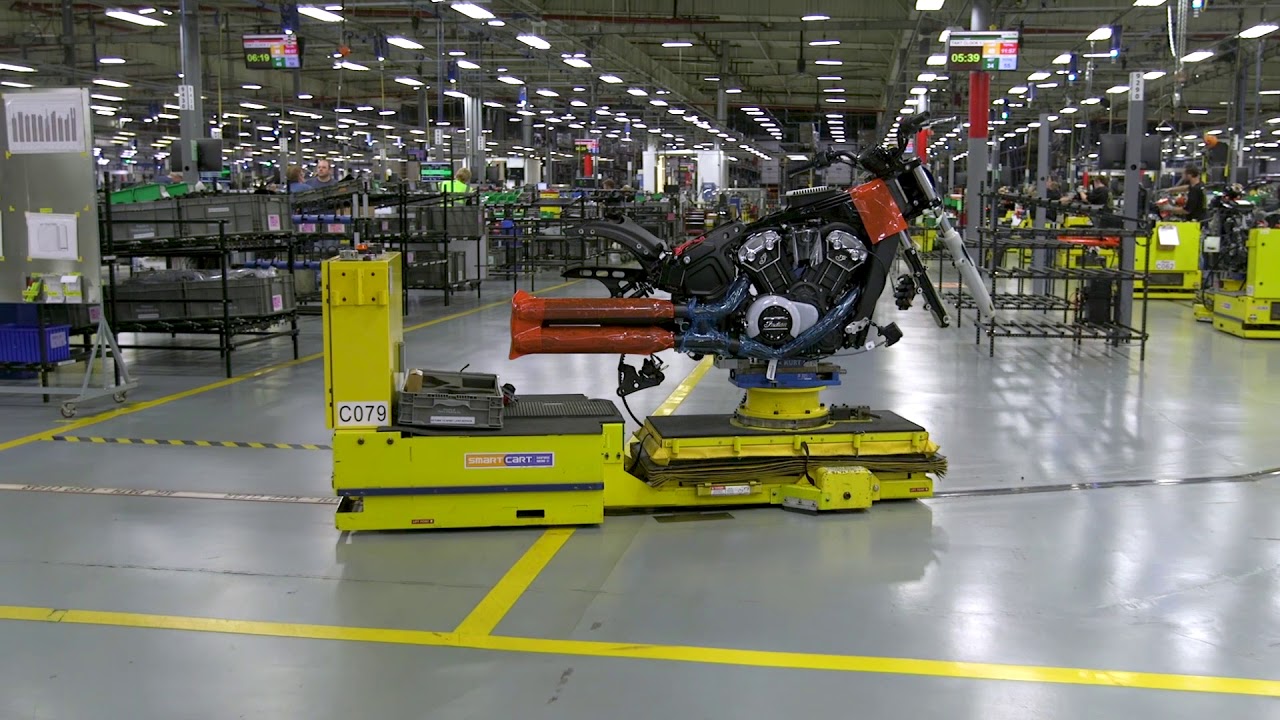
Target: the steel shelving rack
pixel 233 331
pixel 1059 285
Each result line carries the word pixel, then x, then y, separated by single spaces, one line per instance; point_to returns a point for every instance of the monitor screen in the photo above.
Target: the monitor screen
pixel 1111 153
pixel 1151 153
pixel 436 171
pixel 268 52
pixel 209 155
pixel 986 50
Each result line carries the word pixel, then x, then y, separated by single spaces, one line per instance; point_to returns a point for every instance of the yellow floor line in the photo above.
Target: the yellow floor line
pixel 685 387
pixel 68 428
pixel 671 653
pixel 495 605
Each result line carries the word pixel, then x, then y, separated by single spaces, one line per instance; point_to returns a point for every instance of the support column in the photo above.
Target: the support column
pixel 472 115
pixel 979 109
pixel 69 37
pixel 1134 133
pixel 191 88
pixel 1043 256
pixel 649 181
pixel 1241 113
pixel 722 98
pixel 532 166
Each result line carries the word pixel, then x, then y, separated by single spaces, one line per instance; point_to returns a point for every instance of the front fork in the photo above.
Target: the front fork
pixel 955 245
pixel 919 278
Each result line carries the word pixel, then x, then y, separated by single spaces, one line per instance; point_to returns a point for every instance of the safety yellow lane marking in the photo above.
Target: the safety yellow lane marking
pixel 148 404
pixel 495 606
pixel 672 653
pixel 685 387
pixel 157 442
pixel 174 494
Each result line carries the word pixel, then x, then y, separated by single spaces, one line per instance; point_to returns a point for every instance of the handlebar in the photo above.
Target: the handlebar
pixel 906 130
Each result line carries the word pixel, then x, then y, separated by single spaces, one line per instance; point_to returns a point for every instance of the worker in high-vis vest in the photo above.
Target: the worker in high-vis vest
pixel 458 185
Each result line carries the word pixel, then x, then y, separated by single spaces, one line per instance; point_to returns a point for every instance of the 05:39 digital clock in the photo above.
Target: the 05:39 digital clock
pixel 965 58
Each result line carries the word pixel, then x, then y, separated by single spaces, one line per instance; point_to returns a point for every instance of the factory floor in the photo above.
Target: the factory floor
pixel 206 599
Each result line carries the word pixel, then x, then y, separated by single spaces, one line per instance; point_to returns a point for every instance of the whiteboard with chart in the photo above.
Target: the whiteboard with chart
pixel 49 246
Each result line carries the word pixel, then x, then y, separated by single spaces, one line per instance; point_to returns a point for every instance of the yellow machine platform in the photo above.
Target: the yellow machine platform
pixel 564 459
pixel 1174 269
pixel 1250 308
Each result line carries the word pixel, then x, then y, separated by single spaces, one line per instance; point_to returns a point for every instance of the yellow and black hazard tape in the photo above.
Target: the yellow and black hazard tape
pixel 188 443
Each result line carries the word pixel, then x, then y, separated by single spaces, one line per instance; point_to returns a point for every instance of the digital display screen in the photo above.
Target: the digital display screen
pixel 436 171
pixel 268 52
pixel 995 50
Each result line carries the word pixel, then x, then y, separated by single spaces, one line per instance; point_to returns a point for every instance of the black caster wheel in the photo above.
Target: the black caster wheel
pixel 68 410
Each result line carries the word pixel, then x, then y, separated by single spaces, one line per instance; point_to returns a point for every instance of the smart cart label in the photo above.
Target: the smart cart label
pixel 487 461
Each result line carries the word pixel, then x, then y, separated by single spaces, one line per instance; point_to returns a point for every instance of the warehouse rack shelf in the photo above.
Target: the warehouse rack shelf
pixel 1053 283
pixel 233 330
pixel 424 227
pixel 1010 301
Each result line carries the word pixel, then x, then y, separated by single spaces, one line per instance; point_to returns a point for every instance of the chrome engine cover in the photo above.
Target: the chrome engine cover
pixel 773 319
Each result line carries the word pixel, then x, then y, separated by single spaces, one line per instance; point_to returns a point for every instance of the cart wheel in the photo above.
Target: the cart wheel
pixel 120 396
pixel 68 410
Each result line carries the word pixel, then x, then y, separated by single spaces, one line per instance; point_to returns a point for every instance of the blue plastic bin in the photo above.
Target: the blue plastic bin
pixel 22 344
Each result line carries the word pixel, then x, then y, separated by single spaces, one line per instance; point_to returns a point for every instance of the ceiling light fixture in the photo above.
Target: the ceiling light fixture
pixel 99 81
pixel 349 65
pixel 828 62
pixel 815 18
pixel 1258 31
pixel 320 14
pixel 404 42
pixel 637 92
pixel 546 92
pixel 534 41
pixel 111 61
pixel 467 65
pixel 1197 56
pixel 575 61
pixel 733 91
pixel 611 79
pixel 929 5
pixel 510 80
pixel 473 11
pixel 1102 33
pixel 1117 89
pixel 823 43
pixel 135 18
pixel 935 60
pixel 19 68
pixel 835 78
pixel 677 44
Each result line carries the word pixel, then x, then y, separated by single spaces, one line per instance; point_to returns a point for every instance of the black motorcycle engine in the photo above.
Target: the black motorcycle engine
pixel 799 273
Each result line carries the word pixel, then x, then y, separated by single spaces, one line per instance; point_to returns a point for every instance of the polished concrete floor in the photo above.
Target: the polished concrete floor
pixel 1161 578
